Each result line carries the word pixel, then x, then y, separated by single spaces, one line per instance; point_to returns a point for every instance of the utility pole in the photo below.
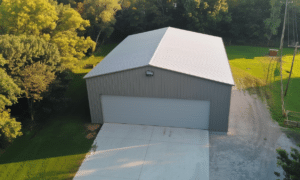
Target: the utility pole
pixel 281 47
pixel 291 69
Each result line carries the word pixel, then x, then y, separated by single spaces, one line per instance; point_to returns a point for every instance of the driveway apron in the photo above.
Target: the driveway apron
pixel 140 152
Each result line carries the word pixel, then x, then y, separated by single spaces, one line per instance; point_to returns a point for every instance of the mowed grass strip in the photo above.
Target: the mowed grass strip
pixel 57 149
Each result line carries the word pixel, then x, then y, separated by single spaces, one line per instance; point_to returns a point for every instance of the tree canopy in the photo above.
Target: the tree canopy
pixel 23 50
pixel 31 62
pixel 45 18
pixel 101 14
pixel 71 46
pixel 36 79
pixel 9 91
pixel 27 17
pixel 240 21
pixel 273 22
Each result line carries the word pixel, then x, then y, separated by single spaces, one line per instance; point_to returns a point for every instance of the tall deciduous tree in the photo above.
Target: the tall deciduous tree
pixel 273 22
pixel 71 46
pixel 203 16
pixel 9 92
pixel 101 14
pixel 22 54
pixel 139 16
pixel 35 78
pixel 45 18
pixel 248 17
pixel 54 99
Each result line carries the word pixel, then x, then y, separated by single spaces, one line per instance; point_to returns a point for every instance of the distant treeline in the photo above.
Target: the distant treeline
pixel 242 22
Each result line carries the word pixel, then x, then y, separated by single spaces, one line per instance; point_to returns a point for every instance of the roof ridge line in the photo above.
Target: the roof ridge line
pixel 158 46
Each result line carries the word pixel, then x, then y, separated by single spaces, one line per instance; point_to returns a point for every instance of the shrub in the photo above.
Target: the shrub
pixel 291 167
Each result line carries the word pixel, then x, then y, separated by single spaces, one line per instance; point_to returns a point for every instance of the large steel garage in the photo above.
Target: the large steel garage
pixel 165 77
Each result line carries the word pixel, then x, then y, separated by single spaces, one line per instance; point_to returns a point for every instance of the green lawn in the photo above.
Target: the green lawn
pixel 54 153
pixel 251 70
pixel 250 52
pixel 57 149
pixel 95 59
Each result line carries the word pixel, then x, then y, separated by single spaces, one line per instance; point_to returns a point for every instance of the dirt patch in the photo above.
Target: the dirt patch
pixel 91 135
pixel 92 127
pixel 92 130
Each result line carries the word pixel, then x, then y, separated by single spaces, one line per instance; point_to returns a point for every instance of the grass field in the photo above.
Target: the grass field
pixel 250 72
pixel 250 52
pixel 56 150
pixel 95 59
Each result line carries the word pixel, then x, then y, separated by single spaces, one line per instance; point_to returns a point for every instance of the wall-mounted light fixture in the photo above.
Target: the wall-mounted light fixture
pixel 149 73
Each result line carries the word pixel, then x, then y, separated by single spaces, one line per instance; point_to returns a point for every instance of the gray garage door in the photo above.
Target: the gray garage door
pixel 156 111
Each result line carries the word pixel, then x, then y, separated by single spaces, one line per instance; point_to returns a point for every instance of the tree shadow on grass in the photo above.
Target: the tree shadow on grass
pixel 63 134
pixel 77 92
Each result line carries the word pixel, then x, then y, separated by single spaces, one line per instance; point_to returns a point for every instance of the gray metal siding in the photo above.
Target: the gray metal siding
pixel 164 84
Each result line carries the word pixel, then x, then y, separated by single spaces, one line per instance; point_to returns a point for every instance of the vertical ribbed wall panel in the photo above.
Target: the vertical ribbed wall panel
pixel 164 84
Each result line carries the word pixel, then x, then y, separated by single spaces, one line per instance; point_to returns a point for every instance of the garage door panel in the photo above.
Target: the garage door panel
pixel 156 111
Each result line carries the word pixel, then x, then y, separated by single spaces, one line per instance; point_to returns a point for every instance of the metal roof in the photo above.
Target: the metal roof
pixel 178 50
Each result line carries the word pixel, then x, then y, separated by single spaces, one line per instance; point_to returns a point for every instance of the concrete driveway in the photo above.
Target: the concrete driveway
pixel 248 150
pixel 139 152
